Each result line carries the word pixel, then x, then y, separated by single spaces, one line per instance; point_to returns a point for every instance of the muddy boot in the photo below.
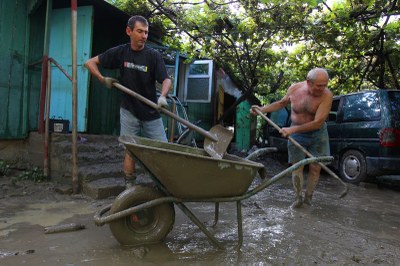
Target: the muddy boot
pixel 298 202
pixel 129 181
pixel 307 199
pixel 298 186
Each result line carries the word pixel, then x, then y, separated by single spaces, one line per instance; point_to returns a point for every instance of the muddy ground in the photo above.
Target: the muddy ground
pixel 362 228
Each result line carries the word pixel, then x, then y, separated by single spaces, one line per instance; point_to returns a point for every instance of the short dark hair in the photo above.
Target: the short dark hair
pixel 134 19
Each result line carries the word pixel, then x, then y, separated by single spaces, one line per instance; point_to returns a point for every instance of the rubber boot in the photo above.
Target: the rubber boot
pixel 307 199
pixel 298 202
pixel 298 186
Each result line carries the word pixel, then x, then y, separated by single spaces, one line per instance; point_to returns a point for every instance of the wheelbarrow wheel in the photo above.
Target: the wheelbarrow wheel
pixel 146 226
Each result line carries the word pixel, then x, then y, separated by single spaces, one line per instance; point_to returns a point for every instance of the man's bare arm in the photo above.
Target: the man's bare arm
pixel 92 65
pixel 166 85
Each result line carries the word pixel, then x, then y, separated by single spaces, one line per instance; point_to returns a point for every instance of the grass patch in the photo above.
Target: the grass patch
pixel 35 175
pixel 4 168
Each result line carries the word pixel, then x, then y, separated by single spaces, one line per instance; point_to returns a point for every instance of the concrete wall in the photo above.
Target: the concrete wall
pixel 23 154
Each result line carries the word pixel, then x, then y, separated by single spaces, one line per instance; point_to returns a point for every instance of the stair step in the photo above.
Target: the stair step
pixel 92 172
pixel 65 146
pixel 103 188
pixel 87 158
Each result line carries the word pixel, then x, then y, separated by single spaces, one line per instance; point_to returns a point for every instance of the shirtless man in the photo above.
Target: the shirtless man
pixel 310 102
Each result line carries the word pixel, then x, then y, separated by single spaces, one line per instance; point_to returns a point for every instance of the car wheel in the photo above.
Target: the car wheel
pixel 353 168
pixel 146 226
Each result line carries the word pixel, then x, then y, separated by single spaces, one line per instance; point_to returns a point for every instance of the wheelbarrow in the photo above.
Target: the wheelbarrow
pixel 181 174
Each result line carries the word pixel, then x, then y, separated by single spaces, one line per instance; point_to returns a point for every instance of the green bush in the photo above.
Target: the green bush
pixel 4 168
pixel 36 175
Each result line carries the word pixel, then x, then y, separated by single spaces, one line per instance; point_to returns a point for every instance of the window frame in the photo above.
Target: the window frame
pixel 201 76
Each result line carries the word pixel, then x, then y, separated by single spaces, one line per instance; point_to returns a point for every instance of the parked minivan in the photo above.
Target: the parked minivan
pixel 364 134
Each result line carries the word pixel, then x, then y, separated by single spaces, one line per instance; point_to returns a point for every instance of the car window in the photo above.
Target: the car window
pixel 361 107
pixel 281 117
pixel 394 97
pixel 335 105
pixel 333 112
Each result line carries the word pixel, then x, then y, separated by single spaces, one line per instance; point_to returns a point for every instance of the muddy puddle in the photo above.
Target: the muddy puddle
pixel 362 228
pixel 43 214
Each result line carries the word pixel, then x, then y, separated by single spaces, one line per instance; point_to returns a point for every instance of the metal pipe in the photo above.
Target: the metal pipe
pixel 216 214
pixel 33 64
pixel 172 123
pixel 43 89
pixel 199 224
pixel 116 216
pixel 44 67
pixel 46 171
pixel 60 67
pixel 75 181
pixel 239 224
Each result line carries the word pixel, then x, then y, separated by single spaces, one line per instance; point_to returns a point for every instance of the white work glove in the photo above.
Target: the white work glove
pixel 108 82
pixel 162 102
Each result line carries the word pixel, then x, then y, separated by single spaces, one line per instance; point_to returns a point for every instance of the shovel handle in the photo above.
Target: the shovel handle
pixel 165 111
pixel 329 171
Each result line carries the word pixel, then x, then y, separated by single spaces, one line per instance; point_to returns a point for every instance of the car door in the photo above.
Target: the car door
pixel 334 127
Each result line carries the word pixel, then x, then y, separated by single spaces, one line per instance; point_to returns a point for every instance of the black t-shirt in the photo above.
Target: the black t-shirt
pixel 139 72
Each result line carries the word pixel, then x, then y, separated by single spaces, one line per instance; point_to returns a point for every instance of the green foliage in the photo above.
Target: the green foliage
pixel 266 45
pixel 356 42
pixel 35 175
pixel 4 168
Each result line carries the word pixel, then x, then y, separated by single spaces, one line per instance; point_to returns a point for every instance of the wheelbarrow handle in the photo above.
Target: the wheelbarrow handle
pixel 165 111
pixel 329 171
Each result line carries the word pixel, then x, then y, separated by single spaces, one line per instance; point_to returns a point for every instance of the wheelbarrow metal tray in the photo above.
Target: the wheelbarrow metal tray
pixel 190 173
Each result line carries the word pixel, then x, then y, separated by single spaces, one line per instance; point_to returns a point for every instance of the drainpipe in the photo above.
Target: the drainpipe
pixel 75 181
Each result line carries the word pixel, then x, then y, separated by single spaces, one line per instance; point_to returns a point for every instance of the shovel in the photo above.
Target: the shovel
pixel 323 166
pixel 216 140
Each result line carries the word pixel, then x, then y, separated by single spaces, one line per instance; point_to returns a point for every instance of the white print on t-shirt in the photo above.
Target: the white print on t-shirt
pixel 136 67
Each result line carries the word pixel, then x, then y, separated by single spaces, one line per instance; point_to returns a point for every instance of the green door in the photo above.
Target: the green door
pixel 61 51
pixel 243 126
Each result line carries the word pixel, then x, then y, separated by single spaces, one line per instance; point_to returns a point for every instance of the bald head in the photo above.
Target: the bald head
pixel 316 73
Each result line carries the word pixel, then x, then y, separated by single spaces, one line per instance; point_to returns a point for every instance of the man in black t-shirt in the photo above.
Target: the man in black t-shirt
pixel 140 67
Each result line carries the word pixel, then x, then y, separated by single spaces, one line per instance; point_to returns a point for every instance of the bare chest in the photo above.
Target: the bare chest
pixel 303 103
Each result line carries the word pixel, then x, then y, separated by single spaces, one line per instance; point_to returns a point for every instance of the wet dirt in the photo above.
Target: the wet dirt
pixel 362 228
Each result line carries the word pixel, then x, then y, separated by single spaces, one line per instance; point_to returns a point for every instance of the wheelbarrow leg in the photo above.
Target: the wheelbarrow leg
pixel 199 224
pixel 239 223
pixel 216 214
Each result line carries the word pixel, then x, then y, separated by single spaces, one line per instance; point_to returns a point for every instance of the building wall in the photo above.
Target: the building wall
pixel 13 50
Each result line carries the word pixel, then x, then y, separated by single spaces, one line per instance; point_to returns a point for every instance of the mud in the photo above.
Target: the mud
pixel 361 228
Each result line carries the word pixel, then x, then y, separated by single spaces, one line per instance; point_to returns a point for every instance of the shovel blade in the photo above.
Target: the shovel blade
pixel 217 149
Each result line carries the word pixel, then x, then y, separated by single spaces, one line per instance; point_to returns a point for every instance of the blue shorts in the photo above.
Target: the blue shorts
pixel 131 126
pixel 316 142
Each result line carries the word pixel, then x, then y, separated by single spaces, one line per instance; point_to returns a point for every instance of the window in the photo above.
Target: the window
pixel 199 81
pixel 361 107
pixel 281 117
pixel 394 97
pixel 171 74
pixel 333 113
